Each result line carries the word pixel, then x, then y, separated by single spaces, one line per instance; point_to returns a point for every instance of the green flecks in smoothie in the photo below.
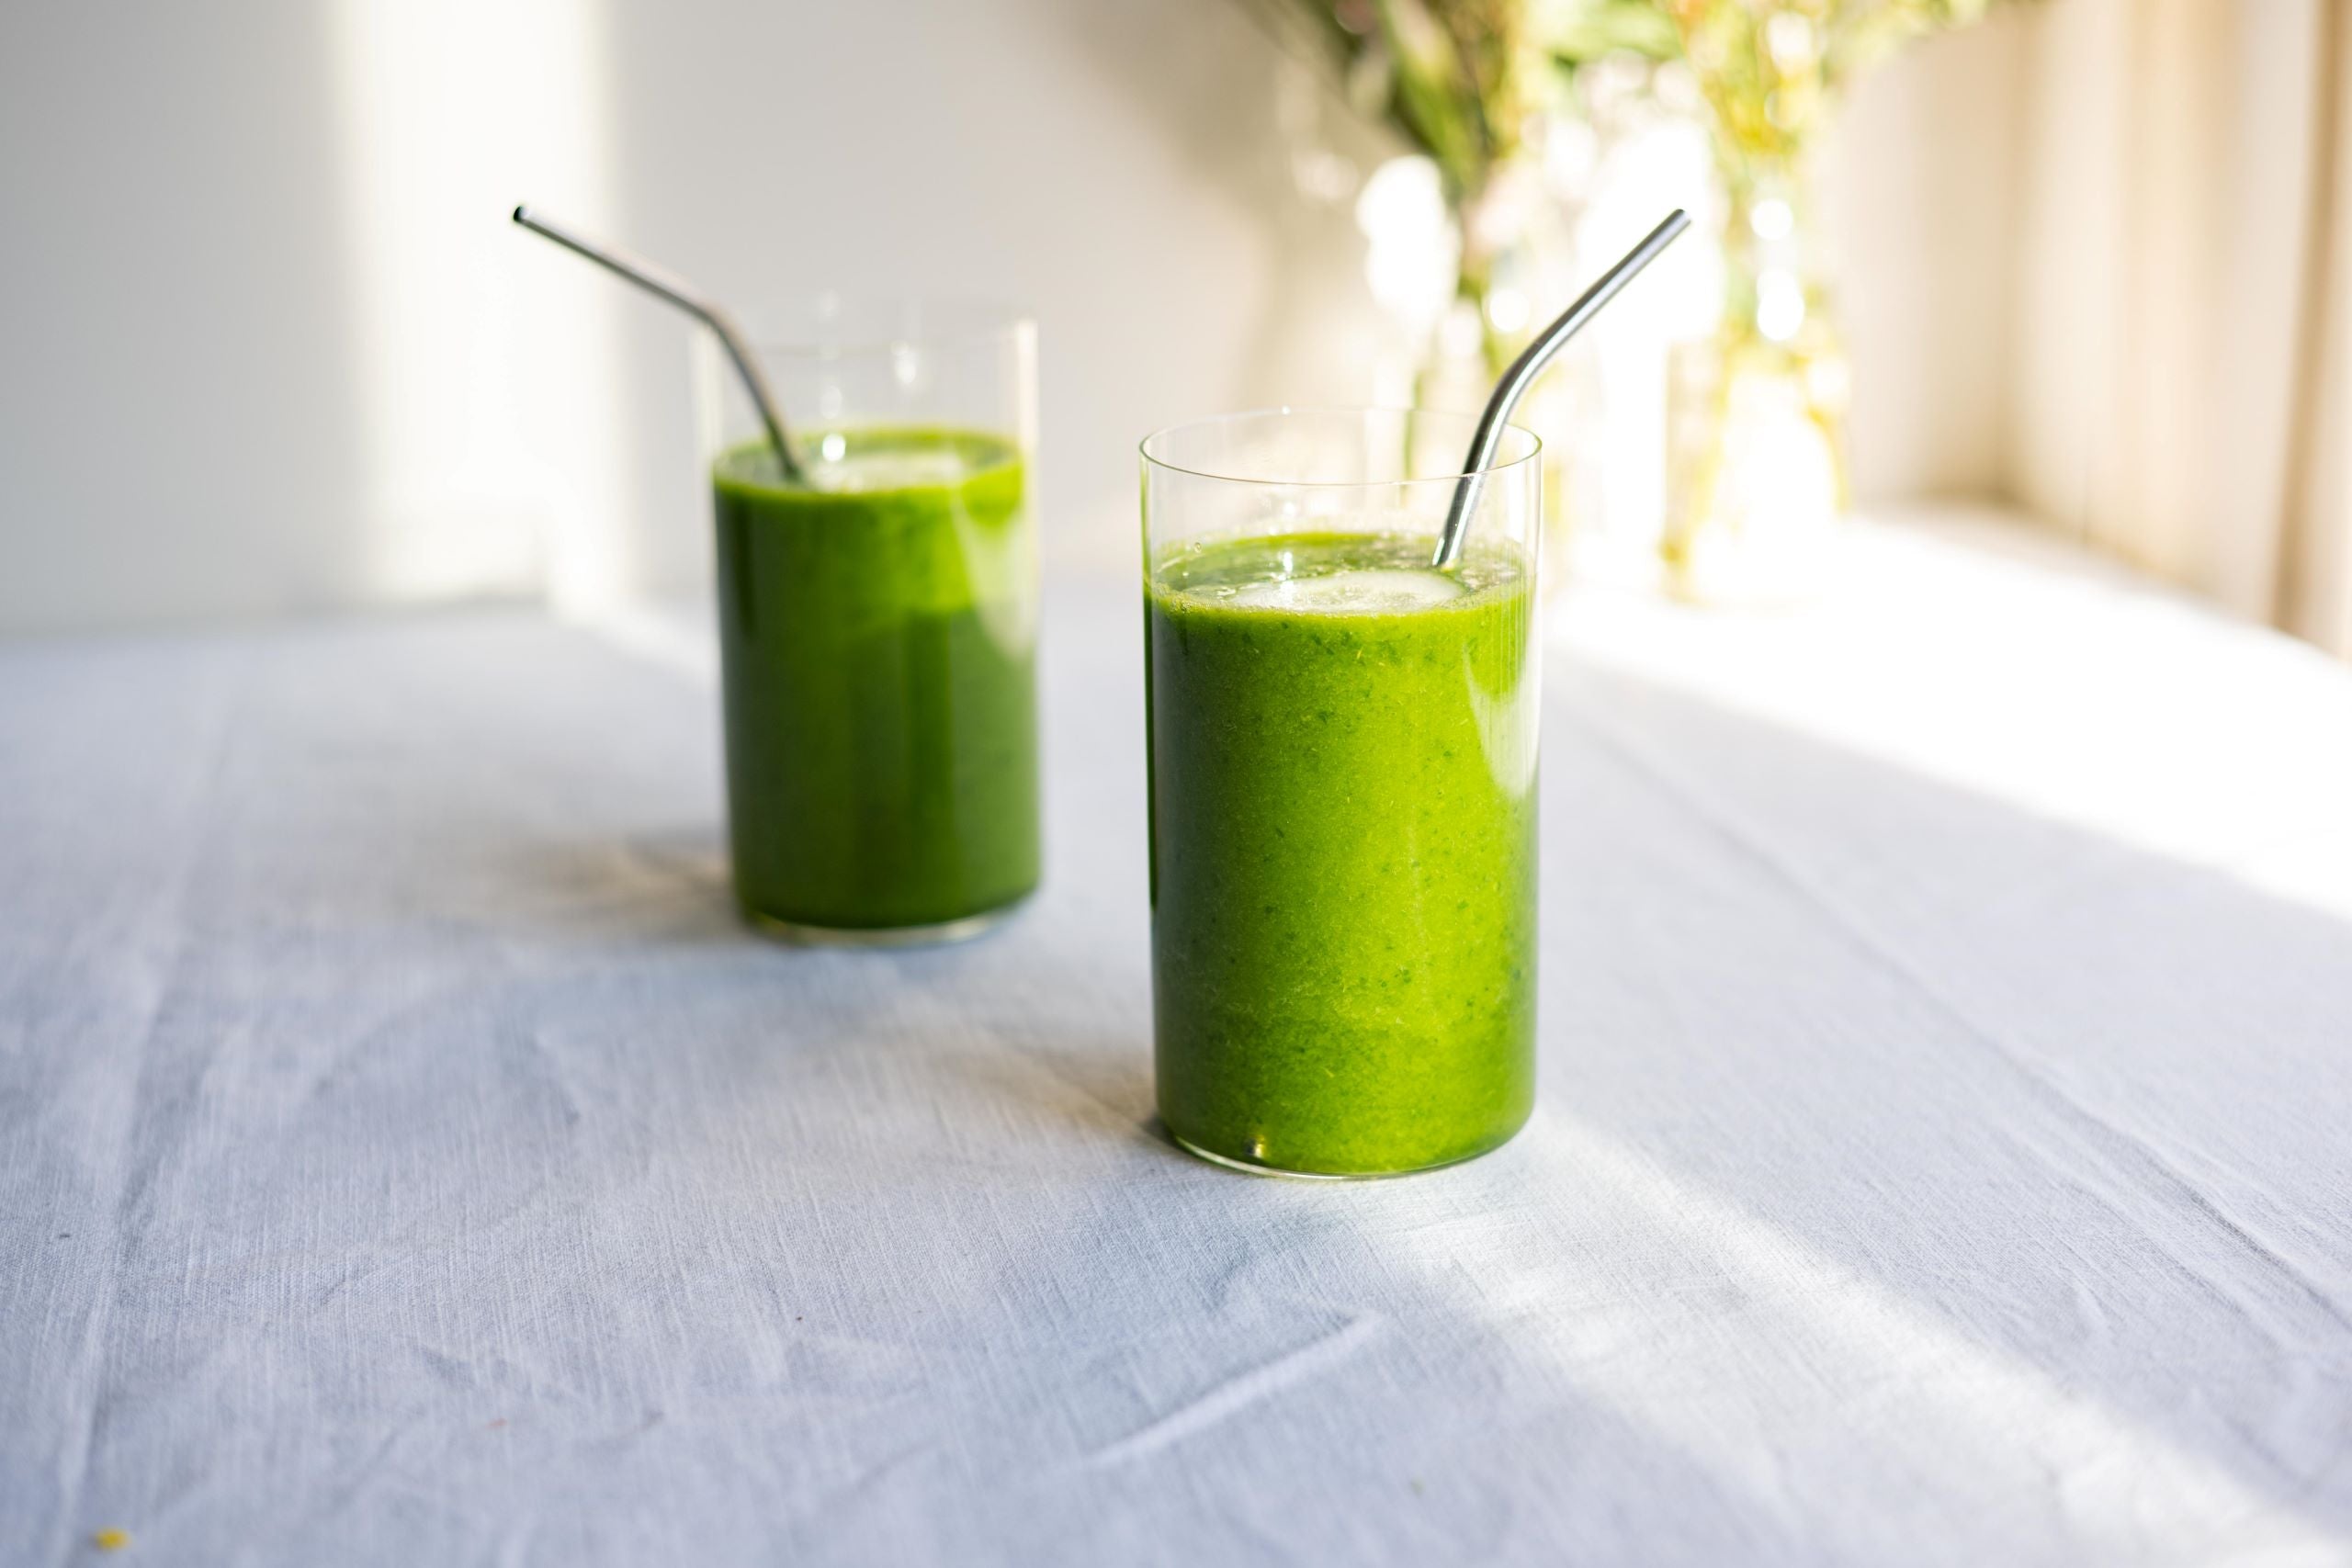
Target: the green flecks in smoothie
pixel 1341 754
pixel 878 631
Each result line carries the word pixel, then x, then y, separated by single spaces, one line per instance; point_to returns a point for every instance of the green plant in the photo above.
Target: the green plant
pixel 1471 82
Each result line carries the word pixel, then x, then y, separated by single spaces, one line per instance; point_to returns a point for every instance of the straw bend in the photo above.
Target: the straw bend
pixel 1522 373
pixel 669 286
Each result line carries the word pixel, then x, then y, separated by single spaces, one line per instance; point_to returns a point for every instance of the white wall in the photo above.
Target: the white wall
pixel 177 424
pixel 1919 190
pixel 272 347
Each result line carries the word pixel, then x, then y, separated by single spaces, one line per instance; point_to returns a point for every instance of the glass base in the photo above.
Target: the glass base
pixel 1252 1167
pixel 942 934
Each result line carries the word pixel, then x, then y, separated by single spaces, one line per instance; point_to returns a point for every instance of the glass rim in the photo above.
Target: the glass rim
pixel 793 328
pixel 1143 448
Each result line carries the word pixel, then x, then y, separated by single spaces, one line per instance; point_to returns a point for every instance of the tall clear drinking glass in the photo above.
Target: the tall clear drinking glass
pixel 1341 745
pixel 877 624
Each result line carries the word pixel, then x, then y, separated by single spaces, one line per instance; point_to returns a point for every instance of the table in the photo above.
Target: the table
pixel 1944 1152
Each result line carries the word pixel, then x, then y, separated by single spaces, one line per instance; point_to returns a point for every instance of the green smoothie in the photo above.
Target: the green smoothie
pixel 1341 750
pixel 878 635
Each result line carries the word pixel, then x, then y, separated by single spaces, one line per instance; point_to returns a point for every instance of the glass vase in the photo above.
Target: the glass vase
pixel 1756 476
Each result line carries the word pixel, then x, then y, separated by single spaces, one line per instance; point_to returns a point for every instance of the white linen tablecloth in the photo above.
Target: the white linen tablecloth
pixel 1944 1152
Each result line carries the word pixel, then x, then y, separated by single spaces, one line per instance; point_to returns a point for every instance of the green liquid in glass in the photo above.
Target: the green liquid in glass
pixel 1343 767
pixel 877 634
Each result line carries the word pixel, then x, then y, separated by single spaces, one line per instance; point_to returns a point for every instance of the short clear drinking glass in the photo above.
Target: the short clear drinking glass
pixel 1341 750
pixel 877 624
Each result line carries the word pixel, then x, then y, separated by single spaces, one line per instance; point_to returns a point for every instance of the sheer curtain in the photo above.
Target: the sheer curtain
pixel 2185 296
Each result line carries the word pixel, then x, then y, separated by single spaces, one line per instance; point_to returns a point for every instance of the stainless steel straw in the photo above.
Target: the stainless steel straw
pixel 1523 374
pixel 678 292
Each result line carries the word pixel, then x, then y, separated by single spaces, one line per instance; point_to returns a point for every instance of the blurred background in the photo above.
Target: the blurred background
pixel 272 346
